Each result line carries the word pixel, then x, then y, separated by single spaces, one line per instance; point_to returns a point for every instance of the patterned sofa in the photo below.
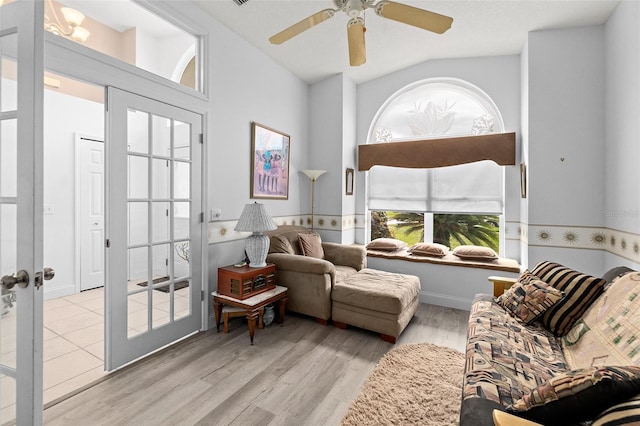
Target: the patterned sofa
pixel 558 347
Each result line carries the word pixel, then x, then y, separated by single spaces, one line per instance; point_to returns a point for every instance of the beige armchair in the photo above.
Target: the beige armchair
pixel 310 280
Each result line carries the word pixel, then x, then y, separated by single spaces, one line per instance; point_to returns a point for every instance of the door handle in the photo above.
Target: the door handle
pixel 21 278
pixel 49 273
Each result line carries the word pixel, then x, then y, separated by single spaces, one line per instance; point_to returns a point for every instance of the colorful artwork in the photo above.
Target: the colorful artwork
pixel 270 163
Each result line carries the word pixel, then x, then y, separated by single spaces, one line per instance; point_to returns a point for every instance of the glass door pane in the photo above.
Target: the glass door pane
pixel 163 205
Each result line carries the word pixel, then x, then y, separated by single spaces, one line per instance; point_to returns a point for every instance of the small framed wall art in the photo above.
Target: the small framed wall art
pixel 523 180
pixel 269 163
pixel 349 182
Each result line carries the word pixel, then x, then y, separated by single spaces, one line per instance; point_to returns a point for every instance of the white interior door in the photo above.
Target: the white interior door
pixel 91 187
pixel 21 184
pixel 154 225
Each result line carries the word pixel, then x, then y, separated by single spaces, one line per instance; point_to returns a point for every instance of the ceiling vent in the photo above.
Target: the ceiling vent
pixel 240 2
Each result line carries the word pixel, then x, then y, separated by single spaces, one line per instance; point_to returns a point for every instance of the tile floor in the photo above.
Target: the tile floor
pixel 73 350
pixel 73 335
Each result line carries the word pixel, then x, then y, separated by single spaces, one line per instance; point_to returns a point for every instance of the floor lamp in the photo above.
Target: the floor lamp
pixel 313 175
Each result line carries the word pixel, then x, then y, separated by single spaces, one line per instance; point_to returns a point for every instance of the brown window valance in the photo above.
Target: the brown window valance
pixel 428 153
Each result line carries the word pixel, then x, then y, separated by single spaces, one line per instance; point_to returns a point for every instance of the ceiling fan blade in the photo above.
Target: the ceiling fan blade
pixel 301 26
pixel 420 18
pixel 355 35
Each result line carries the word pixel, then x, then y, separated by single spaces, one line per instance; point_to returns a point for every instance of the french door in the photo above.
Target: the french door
pixel 21 185
pixel 154 225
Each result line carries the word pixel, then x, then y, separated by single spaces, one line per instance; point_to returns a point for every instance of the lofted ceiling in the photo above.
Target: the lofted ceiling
pixel 480 28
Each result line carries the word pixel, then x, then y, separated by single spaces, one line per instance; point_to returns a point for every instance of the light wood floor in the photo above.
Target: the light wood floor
pixel 301 373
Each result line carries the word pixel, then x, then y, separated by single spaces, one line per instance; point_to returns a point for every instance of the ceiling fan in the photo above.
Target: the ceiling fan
pixel 406 14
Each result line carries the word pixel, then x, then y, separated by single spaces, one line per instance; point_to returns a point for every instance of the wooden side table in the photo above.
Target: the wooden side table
pixel 501 284
pixel 253 306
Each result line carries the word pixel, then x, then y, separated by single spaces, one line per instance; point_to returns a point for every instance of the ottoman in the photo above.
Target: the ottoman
pixel 379 301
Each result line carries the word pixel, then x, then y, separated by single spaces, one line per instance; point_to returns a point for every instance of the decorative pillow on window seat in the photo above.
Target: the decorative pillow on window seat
pixel 578 395
pixel 429 249
pixel 475 253
pixel 386 244
pixel 311 245
pixel 530 298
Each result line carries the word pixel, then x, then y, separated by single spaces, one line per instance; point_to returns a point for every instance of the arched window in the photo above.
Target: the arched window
pixel 461 204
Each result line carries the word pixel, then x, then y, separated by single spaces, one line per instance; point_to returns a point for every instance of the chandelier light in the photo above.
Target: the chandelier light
pixel 71 27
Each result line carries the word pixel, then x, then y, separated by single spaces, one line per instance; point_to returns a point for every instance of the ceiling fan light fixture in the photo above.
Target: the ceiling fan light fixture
pixel 355 36
pixel 353 8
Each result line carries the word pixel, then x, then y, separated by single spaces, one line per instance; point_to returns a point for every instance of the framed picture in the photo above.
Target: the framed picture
pixel 523 180
pixel 269 163
pixel 349 179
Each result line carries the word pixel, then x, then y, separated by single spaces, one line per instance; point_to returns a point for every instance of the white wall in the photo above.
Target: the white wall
pixel 524 153
pixel 621 208
pixel 333 148
pixel 160 55
pixel 325 151
pixel 64 116
pixel 246 86
pixel 565 144
pixel 349 160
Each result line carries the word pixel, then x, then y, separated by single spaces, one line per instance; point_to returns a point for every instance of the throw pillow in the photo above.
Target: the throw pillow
pixel 311 245
pixel 578 395
pixel 280 244
pixel 429 249
pixel 475 253
pixel 608 332
pixel 527 302
pixel 386 244
pixel 625 413
pixel 580 290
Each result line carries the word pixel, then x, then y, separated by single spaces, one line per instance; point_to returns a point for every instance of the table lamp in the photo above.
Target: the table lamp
pixel 255 219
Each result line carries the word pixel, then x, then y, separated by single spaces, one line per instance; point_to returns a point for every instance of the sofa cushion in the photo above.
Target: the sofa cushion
pixel 625 413
pixel 578 395
pixel 475 253
pixel 342 272
pixel 528 301
pixel 580 290
pixel 609 331
pixel 279 244
pixel 504 358
pixel 311 245
pixel 386 244
pixel 429 249
pixel 377 290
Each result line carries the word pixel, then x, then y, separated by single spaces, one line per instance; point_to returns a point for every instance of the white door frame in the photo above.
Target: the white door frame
pixel 25 18
pixel 82 63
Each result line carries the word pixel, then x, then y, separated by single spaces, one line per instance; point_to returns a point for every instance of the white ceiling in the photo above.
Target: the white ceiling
pixel 480 28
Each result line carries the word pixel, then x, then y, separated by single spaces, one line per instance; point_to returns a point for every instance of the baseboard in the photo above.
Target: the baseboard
pixel 445 300
pixel 59 291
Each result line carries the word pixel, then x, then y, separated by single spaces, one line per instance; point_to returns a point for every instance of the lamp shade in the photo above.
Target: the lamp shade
pixel 313 174
pixel 254 218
